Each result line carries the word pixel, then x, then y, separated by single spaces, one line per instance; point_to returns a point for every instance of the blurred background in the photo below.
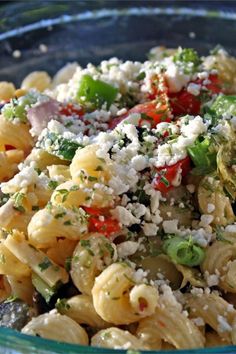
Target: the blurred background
pixel 44 35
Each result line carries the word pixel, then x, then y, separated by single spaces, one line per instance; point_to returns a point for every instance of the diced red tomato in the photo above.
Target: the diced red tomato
pixel 214 85
pixel 153 112
pixel 71 109
pixel 165 176
pixel 184 102
pixel 106 225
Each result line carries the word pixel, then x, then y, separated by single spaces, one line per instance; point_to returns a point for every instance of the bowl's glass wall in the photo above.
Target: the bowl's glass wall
pixel 82 31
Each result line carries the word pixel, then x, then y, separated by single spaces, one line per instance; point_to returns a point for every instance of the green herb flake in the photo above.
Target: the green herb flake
pixel 18 201
pixel 68 264
pixel 52 185
pixel 62 305
pixel 45 264
pixel 67 223
pixel 60 215
pixel 64 193
pixel 86 244
pixel 92 179
pixel 99 168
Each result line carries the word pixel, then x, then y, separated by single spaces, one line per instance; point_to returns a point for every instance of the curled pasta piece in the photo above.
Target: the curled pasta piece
pixel 90 257
pixel 8 163
pixel 5 289
pixel 50 272
pixel 52 325
pixel 148 334
pixel 10 264
pixel 172 326
pixel 42 159
pixel 70 194
pixel 117 299
pixel 61 251
pixel 221 257
pixel 210 191
pixel 16 135
pixel 39 80
pixel 64 74
pixel 86 165
pixel 7 90
pixel 226 68
pixel 56 221
pixel 214 340
pixel 116 338
pixel 214 310
pixel 60 172
pixel 80 308
pixel 22 288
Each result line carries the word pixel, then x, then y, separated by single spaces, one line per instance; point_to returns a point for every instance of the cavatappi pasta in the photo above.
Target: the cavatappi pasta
pixel 117 202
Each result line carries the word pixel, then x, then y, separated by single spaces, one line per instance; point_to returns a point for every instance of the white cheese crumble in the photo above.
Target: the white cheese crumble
pixel 223 325
pixel 127 248
pixel 170 226
pixel 194 89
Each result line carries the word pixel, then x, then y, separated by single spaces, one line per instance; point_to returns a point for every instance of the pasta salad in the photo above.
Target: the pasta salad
pixel 117 204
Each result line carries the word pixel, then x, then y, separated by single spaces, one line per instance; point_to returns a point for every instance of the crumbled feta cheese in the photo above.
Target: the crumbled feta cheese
pixel 170 226
pixel 194 89
pixel 223 326
pixel 206 220
pixel 150 229
pixel 127 248
pixel 26 177
pixel 139 162
pixel 199 321
pixel 124 216
pixel 212 279
pixel 190 188
pixel 230 228
pixel 175 77
pixel 210 208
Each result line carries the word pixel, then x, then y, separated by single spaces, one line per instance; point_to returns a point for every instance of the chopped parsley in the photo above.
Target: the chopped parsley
pixel 45 264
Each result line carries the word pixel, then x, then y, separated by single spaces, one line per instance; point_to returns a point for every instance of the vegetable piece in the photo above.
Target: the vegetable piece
pixel 43 288
pixel 50 272
pixel 184 102
pixel 41 114
pixel 95 92
pixel 14 313
pixel 17 108
pixel 56 145
pixel 71 109
pixel 203 155
pixel 153 112
pixel 188 59
pixel 100 221
pixel 168 177
pixel 224 105
pixel 183 251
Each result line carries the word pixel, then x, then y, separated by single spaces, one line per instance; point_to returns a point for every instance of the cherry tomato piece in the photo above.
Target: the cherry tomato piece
pixel 166 176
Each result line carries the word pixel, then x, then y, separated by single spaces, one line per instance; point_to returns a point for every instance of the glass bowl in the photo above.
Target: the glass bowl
pixel 44 35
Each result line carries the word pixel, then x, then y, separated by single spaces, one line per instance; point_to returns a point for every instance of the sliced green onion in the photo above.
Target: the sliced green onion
pixel 183 251
pixel 224 105
pixel 95 92
pixel 43 288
